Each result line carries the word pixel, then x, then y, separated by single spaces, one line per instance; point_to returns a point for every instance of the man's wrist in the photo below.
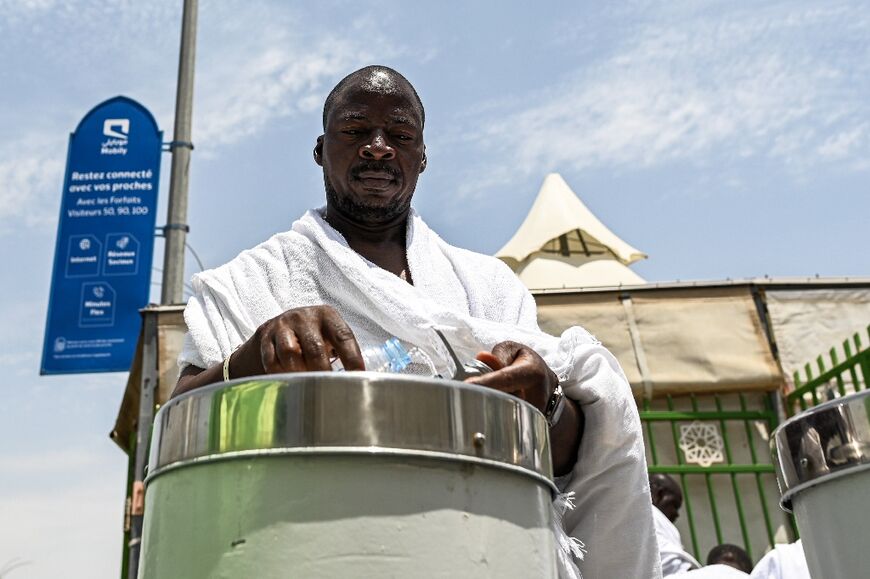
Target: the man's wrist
pixel 237 365
pixel 555 406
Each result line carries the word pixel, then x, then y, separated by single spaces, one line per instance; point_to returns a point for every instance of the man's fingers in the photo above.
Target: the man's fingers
pixel 507 352
pixel 512 379
pixel 315 350
pixel 524 375
pixel 267 354
pixel 339 335
pixel 490 360
pixel 288 352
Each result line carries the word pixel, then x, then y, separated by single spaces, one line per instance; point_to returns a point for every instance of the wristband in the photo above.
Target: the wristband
pixel 227 366
pixel 555 406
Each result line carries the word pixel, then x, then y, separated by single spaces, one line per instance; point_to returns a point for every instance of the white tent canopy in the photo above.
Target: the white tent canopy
pixel 562 244
pixel 556 271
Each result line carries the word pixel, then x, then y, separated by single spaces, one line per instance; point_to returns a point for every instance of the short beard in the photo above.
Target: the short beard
pixel 364 212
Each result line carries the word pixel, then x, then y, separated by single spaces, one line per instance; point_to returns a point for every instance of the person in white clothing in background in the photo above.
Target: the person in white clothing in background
pixel 667 498
pixel 783 562
pixel 725 561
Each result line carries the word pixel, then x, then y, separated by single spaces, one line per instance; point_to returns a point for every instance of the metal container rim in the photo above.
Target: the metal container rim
pixel 370 412
pixel 822 443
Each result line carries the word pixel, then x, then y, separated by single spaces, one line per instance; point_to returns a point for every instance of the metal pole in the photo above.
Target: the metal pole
pixel 176 227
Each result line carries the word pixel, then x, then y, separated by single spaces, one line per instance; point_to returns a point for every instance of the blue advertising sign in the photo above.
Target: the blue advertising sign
pixel 105 240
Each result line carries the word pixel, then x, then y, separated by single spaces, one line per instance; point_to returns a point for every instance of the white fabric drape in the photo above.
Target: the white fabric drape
pixel 675 559
pixel 714 572
pixel 783 562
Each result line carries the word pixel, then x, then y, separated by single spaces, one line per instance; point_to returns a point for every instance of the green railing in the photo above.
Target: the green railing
pixel 729 486
pixel 834 378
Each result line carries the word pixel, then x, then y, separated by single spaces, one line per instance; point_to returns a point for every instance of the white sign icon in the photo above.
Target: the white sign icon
pixel 116 128
pixel 85 244
pixel 99 292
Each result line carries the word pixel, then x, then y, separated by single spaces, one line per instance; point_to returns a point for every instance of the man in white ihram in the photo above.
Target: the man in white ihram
pixel 783 562
pixel 366 267
pixel 667 498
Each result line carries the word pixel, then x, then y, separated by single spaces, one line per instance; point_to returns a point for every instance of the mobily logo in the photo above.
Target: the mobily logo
pixel 117 131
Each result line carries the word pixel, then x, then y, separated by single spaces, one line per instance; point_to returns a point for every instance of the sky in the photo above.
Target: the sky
pixel 723 139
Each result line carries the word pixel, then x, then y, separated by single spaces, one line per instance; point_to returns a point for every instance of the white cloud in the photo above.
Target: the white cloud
pixel 70 531
pixel 687 87
pixel 256 65
pixel 59 462
pixel 8 7
pixel 31 179
pixel 845 143
pixel 250 81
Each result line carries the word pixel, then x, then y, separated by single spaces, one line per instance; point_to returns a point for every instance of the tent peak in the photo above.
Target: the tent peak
pixel 560 223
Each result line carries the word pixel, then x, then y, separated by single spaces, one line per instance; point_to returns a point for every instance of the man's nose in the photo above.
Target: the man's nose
pixel 377 149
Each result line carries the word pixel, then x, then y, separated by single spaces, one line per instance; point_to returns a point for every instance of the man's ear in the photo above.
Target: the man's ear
pixel 318 151
pixel 423 164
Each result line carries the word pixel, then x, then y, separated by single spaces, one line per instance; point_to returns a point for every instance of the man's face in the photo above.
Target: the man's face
pixel 669 503
pixel 372 152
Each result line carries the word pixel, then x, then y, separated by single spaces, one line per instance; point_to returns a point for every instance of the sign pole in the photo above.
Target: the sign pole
pixel 176 227
pixel 175 232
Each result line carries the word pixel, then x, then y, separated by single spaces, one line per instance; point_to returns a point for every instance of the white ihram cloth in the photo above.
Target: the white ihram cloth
pixel 312 265
pixel 783 562
pixel 674 558
pixel 714 572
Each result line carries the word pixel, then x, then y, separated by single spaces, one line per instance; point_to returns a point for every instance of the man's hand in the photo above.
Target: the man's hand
pixel 299 340
pixel 520 371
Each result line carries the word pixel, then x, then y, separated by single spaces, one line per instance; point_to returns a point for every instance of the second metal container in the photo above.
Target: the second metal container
pixel 823 468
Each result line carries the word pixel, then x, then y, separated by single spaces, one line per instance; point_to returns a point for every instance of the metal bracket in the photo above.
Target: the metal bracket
pixel 178 226
pixel 172 145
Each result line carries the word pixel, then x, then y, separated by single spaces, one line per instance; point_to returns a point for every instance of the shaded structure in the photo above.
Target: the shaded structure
pixel 562 244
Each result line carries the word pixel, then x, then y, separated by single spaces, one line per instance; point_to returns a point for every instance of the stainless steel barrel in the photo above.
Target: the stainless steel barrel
pixel 323 475
pixel 823 468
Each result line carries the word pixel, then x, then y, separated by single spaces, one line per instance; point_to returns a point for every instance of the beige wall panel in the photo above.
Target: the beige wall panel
pixel 704 343
pixel 603 315
pixel 695 340
pixel 807 323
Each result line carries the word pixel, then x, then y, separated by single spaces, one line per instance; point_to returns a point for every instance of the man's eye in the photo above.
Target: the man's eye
pixel 351 132
pixel 404 137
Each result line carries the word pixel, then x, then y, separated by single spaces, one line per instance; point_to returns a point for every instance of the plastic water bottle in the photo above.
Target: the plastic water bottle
pixel 392 356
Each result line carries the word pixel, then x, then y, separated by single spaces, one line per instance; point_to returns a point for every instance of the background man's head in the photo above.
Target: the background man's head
pixel 666 495
pixel 731 555
pixel 372 148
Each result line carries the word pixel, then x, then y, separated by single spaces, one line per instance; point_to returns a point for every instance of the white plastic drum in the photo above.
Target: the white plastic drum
pixel 359 475
pixel 823 468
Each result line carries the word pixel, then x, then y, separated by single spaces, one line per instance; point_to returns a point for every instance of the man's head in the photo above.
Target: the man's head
pixel 666 495
pixel 372 148
pixel 731 555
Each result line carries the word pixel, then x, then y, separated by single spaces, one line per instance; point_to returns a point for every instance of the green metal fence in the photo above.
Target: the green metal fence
pixel 832 378
pixel 717 447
